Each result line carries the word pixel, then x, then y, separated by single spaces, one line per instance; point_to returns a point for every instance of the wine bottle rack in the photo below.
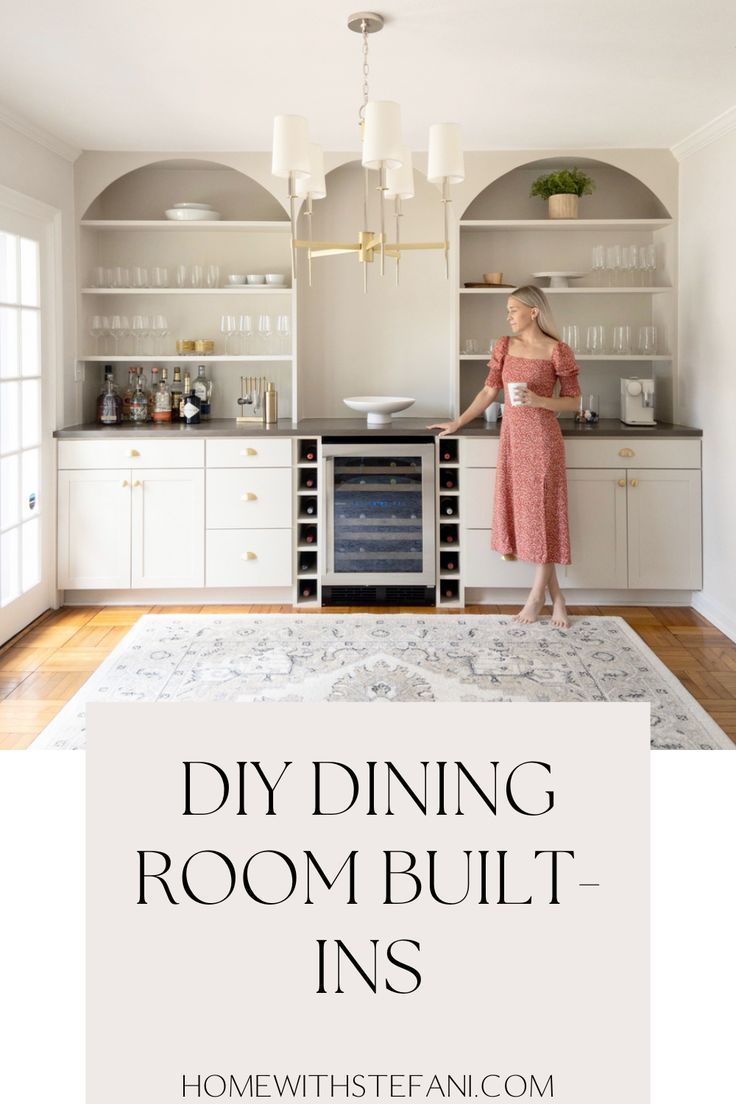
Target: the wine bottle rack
pixel 308 525
pixel 449 589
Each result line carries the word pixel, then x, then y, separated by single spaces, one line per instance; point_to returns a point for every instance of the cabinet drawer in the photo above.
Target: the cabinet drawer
pixel 249 557
pixel 255 452
pixel 477 452
pixel 131 453
pixel 638 453
pixel 258 499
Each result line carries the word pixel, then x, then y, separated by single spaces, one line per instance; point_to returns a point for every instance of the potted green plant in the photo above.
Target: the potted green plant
pixel 561 189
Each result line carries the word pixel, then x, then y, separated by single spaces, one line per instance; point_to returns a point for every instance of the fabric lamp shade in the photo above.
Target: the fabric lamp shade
pixel 445 154
pixel 290 146
pixel 314 184
pixel 382 143
pixel 400 182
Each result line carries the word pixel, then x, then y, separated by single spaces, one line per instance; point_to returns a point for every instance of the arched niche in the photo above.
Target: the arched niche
pixel 617 193
pixel 149 190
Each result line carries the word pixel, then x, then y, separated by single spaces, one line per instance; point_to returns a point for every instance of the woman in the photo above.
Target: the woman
pixel 530 505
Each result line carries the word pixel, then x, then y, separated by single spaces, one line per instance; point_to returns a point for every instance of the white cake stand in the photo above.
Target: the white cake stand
pixel 379 408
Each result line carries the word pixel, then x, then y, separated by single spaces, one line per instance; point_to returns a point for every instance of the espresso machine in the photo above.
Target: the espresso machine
pixel 637 402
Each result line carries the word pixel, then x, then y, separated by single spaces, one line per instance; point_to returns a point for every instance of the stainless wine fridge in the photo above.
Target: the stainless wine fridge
pixel 380 530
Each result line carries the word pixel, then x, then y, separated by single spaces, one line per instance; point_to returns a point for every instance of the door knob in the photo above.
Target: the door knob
pixel 626 452
pixel 248 497
pixel 248 452
pixel 133 452
pixel 622 482
pixel 248 556
pixel 634 483
pixel 136 482
pixel 124 483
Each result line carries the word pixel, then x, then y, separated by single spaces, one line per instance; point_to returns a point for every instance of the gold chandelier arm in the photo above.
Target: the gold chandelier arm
pixel 415 245
pixel 337 246
pixel 331 252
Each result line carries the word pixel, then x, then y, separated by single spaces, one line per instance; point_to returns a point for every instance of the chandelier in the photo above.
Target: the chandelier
pixel 384 155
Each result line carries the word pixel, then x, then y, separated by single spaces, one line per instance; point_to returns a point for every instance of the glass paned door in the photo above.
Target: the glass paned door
pixel 26 579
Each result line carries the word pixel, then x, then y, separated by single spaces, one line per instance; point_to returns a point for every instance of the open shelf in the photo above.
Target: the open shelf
pixel 237 289
pixel 200 358
pixel 252 226
pixel 576 291
pixel 584 356
pixel 565 224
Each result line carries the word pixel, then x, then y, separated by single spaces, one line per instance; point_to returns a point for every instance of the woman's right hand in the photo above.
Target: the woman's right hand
pixel 446 427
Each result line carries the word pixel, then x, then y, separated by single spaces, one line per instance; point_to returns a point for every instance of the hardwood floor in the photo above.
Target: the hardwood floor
pixel 46 664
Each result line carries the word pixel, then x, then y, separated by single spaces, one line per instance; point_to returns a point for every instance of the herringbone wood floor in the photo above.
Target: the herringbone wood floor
pixel 44 666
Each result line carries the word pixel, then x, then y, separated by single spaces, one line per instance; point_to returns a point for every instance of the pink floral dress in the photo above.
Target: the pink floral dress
pixel 530 503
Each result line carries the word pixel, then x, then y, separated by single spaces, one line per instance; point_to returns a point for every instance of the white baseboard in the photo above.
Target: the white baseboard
pixel 204 596
pixel 722 617
pixel 496 597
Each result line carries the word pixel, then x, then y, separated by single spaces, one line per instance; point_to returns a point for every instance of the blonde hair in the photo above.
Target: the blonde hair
pixel 534 297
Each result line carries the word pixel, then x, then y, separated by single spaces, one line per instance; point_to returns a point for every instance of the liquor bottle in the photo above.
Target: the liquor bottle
pixel 128 394
pixel 176 396
pixel 139 403
pixel 203 390
pixel 109 403
pixel 162 400
pixel 309 534
pixel 310 507
pixel 189 408
pixel 152 392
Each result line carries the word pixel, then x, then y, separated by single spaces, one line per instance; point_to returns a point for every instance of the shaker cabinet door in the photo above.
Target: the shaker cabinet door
pixel 664 516
pixel 167 528
pixel 597 513
pixel 94 529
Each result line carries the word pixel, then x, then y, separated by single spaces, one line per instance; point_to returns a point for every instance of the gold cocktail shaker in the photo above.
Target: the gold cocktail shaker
pixel 270 405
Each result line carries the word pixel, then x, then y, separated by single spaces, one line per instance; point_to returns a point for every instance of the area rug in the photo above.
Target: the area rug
pixel 383 659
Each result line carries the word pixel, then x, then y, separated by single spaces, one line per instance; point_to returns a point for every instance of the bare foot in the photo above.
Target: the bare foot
pixel 560 618
pixel 531 610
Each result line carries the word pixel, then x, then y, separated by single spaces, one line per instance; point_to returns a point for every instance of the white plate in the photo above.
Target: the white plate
pixel 559 279
pixel 188 214
pixel 192 207
pixel 379 408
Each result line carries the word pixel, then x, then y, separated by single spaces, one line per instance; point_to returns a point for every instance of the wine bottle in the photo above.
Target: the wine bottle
pixel 309 480
pixel 448 534
pixel 310 507
pixel 447 481
pixel 448 506
pixel 176 392
pixel 309 534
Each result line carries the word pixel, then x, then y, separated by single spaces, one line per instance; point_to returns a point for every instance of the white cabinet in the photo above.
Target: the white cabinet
pixel 94 529
pixel 664 515
pixel 123 527
pixel 167 528
pixel 597 513
pixel 249 557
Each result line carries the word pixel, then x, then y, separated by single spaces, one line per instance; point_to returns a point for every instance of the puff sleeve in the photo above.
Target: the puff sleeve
pixel 495 364
pixel 566 370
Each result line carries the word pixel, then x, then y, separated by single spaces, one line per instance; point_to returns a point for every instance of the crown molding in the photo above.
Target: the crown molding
pixel 703 136
pixel 38 134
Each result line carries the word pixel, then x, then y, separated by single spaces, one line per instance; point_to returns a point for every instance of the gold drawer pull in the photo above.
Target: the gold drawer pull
pixel 248 452
pixel 634 483
pixel 622 482
pixel 136 482
pixel 133 452
pixel 248 497
pixel 124 483
pixel 626 452
pixel 248 556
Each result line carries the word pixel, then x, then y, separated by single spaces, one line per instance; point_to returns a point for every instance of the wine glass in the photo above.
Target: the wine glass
pixel 245 328
pixel 159 330
pixel 139 328
pixel 598 264
pixel 98 327
pixel 613 263
pixel 651 256
pixel 629 263
pixel 228 326
pixel 283 329
pixel 119 329
pixel 264 330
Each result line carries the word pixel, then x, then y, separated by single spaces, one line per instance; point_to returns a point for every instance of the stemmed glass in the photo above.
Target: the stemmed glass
pixel 264 330
pixel 245 329
pixel 98 327
pixel 119 329
pixel 139 328
pixel 598 263
pixel 630 263
pixel 228 326
pixel 613 263
pixel 651 257
pixel 159 330
pixel 283 329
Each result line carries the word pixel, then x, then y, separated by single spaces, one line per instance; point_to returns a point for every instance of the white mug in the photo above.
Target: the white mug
pixel 492 412
pixel 514 389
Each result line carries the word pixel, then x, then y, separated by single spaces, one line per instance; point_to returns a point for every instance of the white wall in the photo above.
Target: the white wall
pixel 30 168
pixel 707 380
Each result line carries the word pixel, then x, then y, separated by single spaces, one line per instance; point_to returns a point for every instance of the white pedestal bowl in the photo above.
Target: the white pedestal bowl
pixel 379 408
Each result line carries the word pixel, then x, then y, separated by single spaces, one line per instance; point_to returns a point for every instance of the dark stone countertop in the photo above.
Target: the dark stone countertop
pixel 356 427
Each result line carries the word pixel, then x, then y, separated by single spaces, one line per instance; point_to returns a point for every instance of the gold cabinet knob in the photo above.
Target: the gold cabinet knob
pixel 634 483
pixel 136 482
pixel 124 483
pixel 248 497
pixel 626 452
pixel 248 452
pixel 622 482
pixel 248 556
pixel 133 452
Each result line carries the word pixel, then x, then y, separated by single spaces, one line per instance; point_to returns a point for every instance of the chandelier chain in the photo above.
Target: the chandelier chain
pixel 364 32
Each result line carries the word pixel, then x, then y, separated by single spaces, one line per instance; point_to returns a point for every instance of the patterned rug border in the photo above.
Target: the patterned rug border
pixel 672 682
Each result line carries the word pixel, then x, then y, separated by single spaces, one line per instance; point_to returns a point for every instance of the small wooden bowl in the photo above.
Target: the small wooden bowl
pixel 493 277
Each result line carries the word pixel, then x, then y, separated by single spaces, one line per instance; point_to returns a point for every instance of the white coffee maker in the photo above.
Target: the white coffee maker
pixel 637 402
